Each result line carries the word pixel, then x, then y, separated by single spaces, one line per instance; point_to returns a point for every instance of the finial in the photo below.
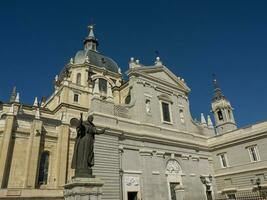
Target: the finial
pixel 119 70
pixel 158 61
pixel 56 78
pixel 137 61
pixel 71 60
pixel 217 90
pixel 35 103
pixel 13 95
pixel 87 59
pixel 210 124
pixel 132 59
pixel 17 98
pixel 43 100
pixel 91 31
pixel 203 120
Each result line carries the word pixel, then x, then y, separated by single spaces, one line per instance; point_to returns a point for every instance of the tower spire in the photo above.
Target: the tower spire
pixel 222 110
pixel 90 42
pixel 217 90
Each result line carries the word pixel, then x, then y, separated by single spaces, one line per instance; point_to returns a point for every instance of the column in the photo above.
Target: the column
pixel 5 158
pixel 62 154
pixel 33 153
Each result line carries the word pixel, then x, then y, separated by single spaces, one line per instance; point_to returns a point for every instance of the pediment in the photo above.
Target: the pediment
pixel 163 74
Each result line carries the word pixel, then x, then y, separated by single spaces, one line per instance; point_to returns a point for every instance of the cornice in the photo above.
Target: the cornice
pixel 234 138
pixel 240 171
pixel 154 137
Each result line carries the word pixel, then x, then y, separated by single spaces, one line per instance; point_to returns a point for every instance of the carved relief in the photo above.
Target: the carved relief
pixel 173 167
pixel 132 181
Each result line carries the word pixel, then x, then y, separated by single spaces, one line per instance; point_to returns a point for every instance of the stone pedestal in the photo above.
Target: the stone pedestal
pixel 83 189
pixel 179 191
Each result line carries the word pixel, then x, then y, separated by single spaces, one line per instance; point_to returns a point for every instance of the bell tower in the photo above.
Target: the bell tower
pixel 222 111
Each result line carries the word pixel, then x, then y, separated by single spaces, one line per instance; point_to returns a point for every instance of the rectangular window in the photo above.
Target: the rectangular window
pixel 165 112
pixel 76 98
pixel 223 160
pixel 253 153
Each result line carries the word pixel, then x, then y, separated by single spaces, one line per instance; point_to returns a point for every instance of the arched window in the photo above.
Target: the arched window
pixel 78 79
pixel 43 168
pixel 102 85
pixel 220 116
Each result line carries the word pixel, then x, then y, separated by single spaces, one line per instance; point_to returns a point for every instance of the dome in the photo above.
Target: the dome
pixel 96 59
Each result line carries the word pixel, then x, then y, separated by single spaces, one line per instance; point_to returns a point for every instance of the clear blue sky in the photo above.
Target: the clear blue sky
pixel 194 38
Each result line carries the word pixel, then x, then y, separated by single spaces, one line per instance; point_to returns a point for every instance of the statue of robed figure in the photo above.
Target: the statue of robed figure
pixel 83 155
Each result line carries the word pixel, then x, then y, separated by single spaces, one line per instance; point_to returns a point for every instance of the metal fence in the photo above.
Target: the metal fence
pixel 243 196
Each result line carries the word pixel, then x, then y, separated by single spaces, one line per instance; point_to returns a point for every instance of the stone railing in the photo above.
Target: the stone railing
pixel 121 111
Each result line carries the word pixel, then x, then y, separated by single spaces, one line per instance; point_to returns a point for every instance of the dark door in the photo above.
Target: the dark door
pixel 132 195
pixel 172 188
pixel 209 195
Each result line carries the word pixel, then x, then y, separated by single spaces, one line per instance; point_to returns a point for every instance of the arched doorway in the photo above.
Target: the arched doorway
pixel 174 177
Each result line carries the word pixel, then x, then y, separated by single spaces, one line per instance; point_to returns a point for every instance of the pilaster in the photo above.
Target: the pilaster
pixel 62 154
pixel 33 153
pixel 179 192
pixel 146 155
pixel 5 157
pixel 65 92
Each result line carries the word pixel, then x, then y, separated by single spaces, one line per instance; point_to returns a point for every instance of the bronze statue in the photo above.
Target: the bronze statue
pixel 83 155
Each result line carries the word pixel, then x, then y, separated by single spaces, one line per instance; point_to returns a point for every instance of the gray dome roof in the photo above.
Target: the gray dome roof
pixel 96 59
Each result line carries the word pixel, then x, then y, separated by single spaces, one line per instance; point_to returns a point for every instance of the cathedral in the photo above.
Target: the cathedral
pixel 153 149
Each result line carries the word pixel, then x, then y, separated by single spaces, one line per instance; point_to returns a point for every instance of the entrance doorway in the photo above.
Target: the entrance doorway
pixel 172 189
pixel 132 195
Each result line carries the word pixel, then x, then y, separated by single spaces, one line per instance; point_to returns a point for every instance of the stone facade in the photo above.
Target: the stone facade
pixel 153 150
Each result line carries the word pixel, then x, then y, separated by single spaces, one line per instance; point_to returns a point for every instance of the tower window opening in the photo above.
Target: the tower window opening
pixel 229 114
pixel 78 79
pixel 220 116
pixel 76 98
pixel 43 168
